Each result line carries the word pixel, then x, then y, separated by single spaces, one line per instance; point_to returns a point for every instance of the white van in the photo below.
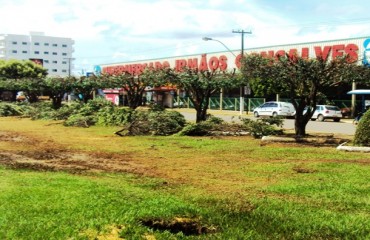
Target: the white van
pixel 275 109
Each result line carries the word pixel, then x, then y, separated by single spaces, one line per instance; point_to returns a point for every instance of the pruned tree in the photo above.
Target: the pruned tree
pixel 84 87
pixel 301 79
pixel 22 75
pixel 56 88
pixel 21 69
pixel 134 85
pixel 201 85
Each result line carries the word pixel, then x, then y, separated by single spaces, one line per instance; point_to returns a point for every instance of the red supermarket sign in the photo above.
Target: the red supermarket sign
pixel 332 51
pixel 221 62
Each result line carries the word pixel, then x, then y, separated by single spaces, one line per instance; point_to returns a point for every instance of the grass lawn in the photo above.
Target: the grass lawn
pixel 86 183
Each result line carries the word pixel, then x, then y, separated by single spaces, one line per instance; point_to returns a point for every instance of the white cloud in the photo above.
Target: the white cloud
pixel 116 30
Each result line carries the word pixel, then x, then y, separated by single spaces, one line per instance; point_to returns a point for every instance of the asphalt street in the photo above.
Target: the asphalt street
pixel 345 126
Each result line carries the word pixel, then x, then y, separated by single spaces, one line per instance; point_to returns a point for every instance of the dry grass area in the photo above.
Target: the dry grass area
pixel 218 187
pixel 213 164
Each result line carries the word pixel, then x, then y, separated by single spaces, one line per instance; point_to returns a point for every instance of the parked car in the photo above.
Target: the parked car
pixel 323 112
pixel 179 104
pixel 274 109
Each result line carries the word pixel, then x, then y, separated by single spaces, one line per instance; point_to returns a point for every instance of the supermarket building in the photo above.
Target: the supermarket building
pixel 357 48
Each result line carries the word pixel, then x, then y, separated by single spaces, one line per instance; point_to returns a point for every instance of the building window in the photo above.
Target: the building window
pixel 14 51
pixel 14 43
pixel 46 61
pixel 54 53
pixel 46 53
pixel 64 70
pixel 46 44
pixel 64 54
pixel 64 62
pixel 37 44
pixel 24 51
pixel 55 45
pixel 64 45
pixel 54 70
pixel 24 43
pixel 37 52
pixel 55 62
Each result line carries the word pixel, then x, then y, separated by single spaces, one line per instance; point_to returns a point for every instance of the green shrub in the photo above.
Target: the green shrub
pixel 67 110
pixel 196 129
pixel 165 122
pixel 10 109
pixel 93 106
pixel 278 121
pixel 156 107
pixel 263 127
pixel 215 120
pixel 138 124
pixel 40 110
pixel 82 115
pixel 362 135
pixel 79 120
pixel 113 116
pixel 151 122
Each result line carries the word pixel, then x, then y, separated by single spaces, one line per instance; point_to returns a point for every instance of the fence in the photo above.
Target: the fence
pixel 233 104
pixel 215 103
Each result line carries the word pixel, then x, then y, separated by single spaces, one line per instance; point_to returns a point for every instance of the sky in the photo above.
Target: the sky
pixel 113 31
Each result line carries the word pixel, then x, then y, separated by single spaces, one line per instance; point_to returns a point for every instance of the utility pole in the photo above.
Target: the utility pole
pixel 242 32
pixel 69 65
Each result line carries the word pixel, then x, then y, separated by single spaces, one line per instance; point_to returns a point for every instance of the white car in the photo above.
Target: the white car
pixel 323 112
pixel 275 109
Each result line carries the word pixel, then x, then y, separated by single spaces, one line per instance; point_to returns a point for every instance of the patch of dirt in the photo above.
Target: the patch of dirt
pixel 188 226
pixel 14 137
pixel 309 140
pixel 49 156
pixel 111 233
pixel 298 169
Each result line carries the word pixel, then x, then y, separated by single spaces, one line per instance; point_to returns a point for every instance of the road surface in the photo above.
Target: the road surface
pixel 345 126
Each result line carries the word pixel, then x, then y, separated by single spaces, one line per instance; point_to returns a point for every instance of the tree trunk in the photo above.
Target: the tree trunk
pixel 57 102
pixel 201 114
pixel 201 109
pixel 300 125
pixel 32 97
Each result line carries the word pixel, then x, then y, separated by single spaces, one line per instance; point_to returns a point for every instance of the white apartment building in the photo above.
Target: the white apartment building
pixel 54 53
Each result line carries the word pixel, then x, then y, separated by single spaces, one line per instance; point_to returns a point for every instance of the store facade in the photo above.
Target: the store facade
pixel 357 48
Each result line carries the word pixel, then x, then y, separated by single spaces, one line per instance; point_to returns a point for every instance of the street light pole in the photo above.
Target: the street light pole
pixel 211 39
pixel 242 32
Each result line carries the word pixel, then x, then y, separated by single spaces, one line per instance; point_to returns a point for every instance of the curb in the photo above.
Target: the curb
pixel 341 147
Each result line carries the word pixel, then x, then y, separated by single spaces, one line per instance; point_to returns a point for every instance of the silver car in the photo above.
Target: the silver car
pixel 323 112
pixel 275 109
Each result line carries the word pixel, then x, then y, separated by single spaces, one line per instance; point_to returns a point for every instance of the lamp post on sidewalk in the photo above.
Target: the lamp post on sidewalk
pixel 242 32
pixel 241 107
pixel 212 39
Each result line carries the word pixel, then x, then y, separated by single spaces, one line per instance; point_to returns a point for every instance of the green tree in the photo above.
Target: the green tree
pixel 22 75
pixel 362 135
pixel 134 85
pixel 85 86
pixel 298 78
pixel 21 69
pixel 201 85
pixel 56 87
